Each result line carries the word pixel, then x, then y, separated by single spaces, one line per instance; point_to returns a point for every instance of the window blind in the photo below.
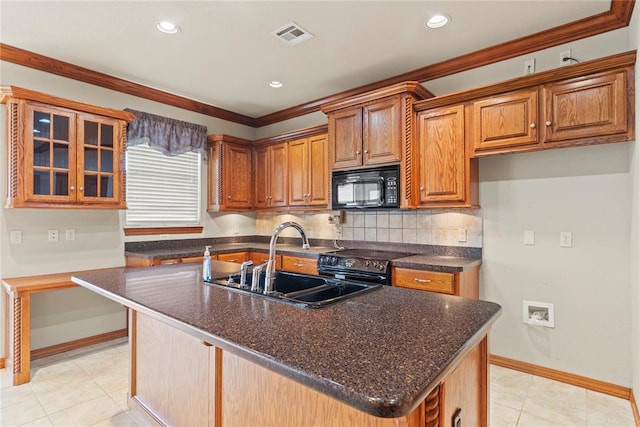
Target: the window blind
pixel 162 190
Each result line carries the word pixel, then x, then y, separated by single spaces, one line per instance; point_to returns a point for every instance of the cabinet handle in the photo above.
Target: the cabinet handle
pixel 297 264
pixel 547 123
pixel 422 280
pixel 532 125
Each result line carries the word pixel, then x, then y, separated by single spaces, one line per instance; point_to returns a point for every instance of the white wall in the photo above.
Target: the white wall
pixel 582 190
pixel 634 42
pixel 72 314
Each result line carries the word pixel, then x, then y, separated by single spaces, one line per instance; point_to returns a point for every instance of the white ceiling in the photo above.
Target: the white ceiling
pixel 225 54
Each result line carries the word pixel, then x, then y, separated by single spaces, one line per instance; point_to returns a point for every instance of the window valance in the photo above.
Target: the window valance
pixel 170 136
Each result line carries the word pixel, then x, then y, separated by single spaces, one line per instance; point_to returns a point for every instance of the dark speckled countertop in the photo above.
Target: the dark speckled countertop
pixel 423 257
pixel 381 352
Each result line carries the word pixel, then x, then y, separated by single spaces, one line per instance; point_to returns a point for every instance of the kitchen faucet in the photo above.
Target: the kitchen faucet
pixel 271 263
pixel 243 273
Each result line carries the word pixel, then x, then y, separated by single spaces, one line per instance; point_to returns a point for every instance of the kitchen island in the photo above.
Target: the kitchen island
pixel 208 355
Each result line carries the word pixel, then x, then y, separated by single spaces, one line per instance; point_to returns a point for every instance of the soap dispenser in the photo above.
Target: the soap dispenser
pixel 206 264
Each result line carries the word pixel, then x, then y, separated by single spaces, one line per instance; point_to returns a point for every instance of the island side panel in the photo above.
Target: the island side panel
pixel 252 395
pixel 171 374
pixel 466 389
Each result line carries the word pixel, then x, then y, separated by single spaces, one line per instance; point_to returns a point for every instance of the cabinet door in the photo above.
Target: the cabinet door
pixel 99 160
pixel 594 106
pixel 279 175
pixel 441 151
pixel 49 155
pixel 236 188
pixel 299 172
pixel 237 257
pixel 382 139
pixel 261 177
pixel 261 257
pixel 345 128
pixel 510 120
pixel 318 194
pixel 424 280
pixel 300 264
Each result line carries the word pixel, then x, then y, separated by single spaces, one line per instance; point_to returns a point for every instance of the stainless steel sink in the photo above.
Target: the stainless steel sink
pixel 301 289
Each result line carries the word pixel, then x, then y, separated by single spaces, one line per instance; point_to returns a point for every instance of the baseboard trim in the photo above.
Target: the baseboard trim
pixel 2 363
pixel 634 407
pixel 565 377
pixel 76 344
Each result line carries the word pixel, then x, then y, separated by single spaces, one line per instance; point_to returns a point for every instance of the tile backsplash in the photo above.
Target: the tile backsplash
pixel 432 227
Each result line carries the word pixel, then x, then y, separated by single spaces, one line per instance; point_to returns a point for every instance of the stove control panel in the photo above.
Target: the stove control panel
pixel 353 263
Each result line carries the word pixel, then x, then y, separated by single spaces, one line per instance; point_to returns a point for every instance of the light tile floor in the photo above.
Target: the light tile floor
pixel 88 387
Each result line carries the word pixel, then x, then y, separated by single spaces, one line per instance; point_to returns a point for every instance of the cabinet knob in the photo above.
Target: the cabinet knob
pixel 72 188
pixel 547 123
pixel 532 125
pixel 229 197
pixel 81 188
pixel 421 188
pixel 366 151
pixel 357 151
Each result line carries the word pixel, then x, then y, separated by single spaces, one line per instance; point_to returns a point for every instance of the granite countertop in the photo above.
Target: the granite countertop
pixel 221 248
pixel 381 352
pixel 421 257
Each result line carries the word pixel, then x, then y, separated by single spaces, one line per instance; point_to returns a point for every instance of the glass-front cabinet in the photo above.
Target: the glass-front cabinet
pixel 63 157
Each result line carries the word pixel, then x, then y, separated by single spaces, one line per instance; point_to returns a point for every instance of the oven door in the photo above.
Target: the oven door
pixel 360 191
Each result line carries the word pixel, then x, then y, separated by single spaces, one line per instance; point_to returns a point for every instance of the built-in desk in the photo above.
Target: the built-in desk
pixel 17 297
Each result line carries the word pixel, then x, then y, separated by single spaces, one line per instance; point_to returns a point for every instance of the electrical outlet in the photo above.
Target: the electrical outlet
pixel 70 234
pixel 164 237
pixel 462 235
pixel 529 66
pixel 565 54
pixel 53 235
pixel 565 239
pixel 15 237
pixel 529 237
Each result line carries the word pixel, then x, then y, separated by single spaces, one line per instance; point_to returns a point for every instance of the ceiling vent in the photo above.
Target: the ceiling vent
pixel 292 34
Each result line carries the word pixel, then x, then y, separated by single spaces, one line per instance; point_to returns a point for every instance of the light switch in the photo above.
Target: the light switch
pixel 529 237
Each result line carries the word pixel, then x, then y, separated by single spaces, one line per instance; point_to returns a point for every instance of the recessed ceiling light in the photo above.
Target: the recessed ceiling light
pixel 167 27
pixel 276 84
pixel 437 21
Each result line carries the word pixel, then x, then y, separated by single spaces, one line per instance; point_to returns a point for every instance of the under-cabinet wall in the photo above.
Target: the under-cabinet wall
pixel 430 227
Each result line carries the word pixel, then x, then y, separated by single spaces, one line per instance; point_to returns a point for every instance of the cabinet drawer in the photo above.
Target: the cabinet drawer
pixel 238 257
pixel 299 264
pixel 423 280
pixel 262 257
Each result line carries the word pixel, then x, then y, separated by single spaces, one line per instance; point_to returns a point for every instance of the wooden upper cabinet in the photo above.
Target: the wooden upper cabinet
pixel 63 153
pixel 346 130
pixel 271 176
pixel 309 172
pixel 587 107
pixel 382 137
pixel 373 128
pixel 229 173
pixel 441 156
pixel 508 120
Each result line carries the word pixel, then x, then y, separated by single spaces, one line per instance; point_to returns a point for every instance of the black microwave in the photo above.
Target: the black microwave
pixel 376 188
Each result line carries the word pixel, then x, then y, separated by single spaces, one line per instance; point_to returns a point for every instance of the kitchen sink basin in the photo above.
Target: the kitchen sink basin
pixel 301 289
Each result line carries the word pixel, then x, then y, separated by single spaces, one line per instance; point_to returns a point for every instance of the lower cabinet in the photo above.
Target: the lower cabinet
pixel 148 262
pixel 464 283
pixel 261 257
pixel 299 264
pixel 238 257
pixel 177 379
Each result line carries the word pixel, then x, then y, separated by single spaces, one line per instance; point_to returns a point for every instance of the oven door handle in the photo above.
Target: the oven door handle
pixel 351 274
